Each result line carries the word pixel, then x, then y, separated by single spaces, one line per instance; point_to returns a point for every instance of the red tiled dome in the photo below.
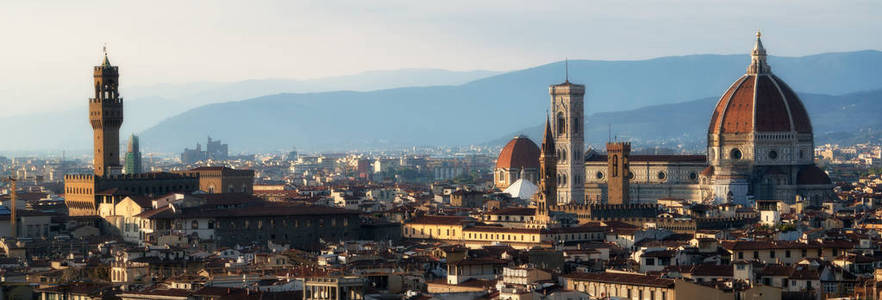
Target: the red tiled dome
pixel 759 103
pixel 707 172
pixel 519 152
pixel 812 175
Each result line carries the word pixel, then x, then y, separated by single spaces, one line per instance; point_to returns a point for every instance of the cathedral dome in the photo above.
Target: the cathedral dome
pixel 759 101
pixel 519 152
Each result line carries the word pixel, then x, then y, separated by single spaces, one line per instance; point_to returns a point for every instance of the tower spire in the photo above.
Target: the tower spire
pixel 106 60
pixel 567 69
pixel 547 174
pixel 758 63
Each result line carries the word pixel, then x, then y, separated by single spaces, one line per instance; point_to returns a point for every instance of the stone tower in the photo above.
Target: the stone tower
pixel 106 116
pixel 547 175
pixel 567 116
pixel 618 156
pixel 133 157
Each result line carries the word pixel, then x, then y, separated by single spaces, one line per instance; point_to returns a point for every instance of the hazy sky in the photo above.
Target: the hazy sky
pixel 51 46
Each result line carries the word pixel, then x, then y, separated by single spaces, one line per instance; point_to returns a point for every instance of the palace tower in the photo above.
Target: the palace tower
pixel 106 116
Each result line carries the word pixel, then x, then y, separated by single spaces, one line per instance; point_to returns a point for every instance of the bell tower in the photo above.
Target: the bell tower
pixel 566 119
pixel 106 117
pixel 618 155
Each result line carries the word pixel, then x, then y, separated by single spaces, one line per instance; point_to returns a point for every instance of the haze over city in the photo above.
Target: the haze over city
pixel 172 42
pixel 454 150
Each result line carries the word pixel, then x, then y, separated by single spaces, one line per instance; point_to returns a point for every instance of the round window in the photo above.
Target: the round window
pixel 693 176
pixel 735 154
pixel 773 154
pixel 599 175
pixel 661 175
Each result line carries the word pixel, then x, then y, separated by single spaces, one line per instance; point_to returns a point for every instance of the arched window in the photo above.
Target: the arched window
pixel 563 155
pixel 615 166
pixel 561 124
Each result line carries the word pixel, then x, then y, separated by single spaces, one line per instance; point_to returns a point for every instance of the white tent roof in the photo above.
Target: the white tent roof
pixel 523 189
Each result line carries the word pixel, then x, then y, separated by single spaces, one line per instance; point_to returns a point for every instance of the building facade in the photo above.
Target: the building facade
pixel 83 193
pixel 222 179
pixel 652 177
pixel 759 147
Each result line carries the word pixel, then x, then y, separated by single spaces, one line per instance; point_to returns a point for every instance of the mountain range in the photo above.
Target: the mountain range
pixel 635 98
pixel 484 109
pixel 145 106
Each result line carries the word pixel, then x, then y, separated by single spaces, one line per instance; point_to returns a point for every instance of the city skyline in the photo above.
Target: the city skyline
pixel 753 175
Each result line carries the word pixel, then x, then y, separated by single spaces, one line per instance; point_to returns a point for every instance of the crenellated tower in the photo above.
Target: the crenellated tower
pixel 619 172
pixel 106 117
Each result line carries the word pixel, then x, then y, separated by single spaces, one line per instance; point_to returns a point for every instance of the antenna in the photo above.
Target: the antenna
pixel 608 132
pixel 567 69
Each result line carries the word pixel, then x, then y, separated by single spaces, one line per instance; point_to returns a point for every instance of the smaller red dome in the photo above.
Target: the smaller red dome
pixel 812 175
pixel 519 152
pixel 707 172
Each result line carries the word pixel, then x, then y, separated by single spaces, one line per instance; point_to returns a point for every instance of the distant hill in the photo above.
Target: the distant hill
pixel 470 113
pixel 850 118
pixel 151 104
pixel 145 106
pixel 479 111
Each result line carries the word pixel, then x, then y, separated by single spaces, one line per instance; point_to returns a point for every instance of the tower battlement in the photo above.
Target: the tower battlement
pixel 618 146
pixel 107 101
pixel 567 88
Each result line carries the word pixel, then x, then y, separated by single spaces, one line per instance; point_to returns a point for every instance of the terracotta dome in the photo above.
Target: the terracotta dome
pixel 519 152
pixel 707 172
pixel 759 101
pixel 812 175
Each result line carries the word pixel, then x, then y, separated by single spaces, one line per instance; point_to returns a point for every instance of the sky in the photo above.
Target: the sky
pixel 51 46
